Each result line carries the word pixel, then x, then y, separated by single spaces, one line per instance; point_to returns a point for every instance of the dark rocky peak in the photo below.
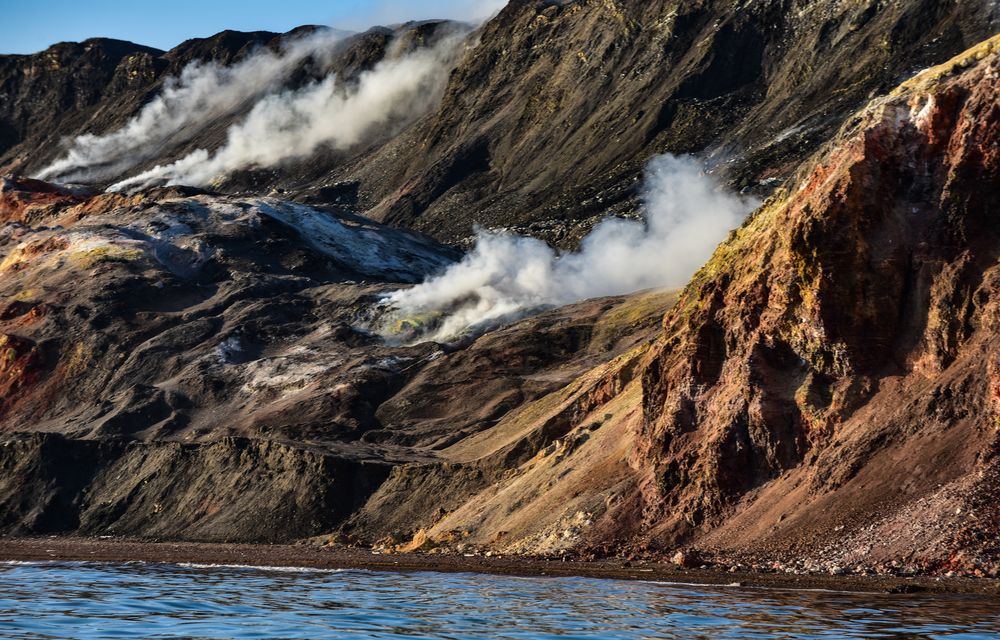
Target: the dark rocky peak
pixel 557 110
pixel 223 48
pixel 106 47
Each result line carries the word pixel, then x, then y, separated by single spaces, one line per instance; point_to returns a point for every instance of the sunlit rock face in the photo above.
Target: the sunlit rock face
pixel 831 367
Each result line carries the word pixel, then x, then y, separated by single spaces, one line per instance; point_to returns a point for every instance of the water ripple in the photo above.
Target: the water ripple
pixel 59 600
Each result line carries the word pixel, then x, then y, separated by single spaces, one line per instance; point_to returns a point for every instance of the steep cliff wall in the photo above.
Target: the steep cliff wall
pixel 833 365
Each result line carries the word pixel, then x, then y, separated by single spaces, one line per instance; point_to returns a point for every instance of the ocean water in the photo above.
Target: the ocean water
pixel 77 600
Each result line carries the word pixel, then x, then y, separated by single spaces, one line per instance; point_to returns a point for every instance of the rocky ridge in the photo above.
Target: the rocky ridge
pixel 822 397
pixel 98 86
pixel 551 114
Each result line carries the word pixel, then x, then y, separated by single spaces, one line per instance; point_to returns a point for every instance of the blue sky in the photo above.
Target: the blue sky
pixel 27 26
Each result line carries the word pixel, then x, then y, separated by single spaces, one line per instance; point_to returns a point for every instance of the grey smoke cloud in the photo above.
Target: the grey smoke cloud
pixel 294 124
pixel 201 92
pixel 507 276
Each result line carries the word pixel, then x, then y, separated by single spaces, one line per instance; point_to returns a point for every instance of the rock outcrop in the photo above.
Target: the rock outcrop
pixel 830 374
pixel 823 396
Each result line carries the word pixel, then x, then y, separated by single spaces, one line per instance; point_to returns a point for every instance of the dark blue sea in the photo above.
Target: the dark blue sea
pixel 77 600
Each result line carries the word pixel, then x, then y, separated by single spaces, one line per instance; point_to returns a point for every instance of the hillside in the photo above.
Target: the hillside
pixel 573 98
pixel 230 360
pixel 823 395
pixel 546 123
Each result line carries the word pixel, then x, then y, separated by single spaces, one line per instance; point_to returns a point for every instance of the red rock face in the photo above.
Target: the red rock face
pixel 21 365
pixel 851 318
pixel 24 199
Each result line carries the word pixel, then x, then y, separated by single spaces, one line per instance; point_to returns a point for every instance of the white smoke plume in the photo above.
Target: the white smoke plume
pixel 507 276
pixel 201 92
pixel 294 124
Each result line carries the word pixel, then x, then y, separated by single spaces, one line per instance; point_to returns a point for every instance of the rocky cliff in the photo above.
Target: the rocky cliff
pixel 829 375
pixel 824 395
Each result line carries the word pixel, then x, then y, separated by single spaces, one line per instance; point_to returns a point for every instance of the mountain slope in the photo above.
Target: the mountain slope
pixel 548 120
pixel 189 365
pixel 554 116
pixel 823 395
pixel 100 86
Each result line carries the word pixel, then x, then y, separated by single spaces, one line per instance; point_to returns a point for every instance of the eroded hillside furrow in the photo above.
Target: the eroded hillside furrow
pixel 830 364
pixel 233 489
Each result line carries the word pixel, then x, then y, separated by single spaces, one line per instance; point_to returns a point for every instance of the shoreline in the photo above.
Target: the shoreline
pixel 58 549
